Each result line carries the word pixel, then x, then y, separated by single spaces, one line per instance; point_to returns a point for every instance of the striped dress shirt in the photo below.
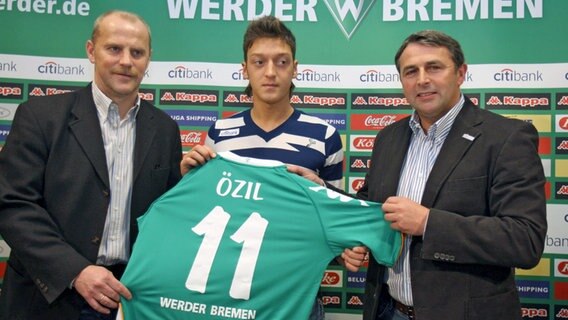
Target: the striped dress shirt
pixel 420 158
pixel 119 136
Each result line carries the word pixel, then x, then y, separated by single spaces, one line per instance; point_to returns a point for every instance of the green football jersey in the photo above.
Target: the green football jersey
pixel 242 238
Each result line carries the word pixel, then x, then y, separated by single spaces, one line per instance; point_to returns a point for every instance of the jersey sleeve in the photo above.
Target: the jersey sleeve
pixel 349 222
pixel 211 137
pixel 332 172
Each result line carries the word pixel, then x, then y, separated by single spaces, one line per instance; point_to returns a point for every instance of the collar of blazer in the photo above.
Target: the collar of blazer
pixel 84 125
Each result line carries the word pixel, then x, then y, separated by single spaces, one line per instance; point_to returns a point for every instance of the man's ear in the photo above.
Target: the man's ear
pixel 245 73
pixel 462 71
pixel 90 48
pixel 295 68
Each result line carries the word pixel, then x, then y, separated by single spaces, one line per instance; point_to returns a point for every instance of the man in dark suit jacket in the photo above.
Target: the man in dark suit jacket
pixel 57 181
pixel 465 185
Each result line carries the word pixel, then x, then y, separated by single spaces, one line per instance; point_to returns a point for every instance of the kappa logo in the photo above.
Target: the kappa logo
pixel 349 13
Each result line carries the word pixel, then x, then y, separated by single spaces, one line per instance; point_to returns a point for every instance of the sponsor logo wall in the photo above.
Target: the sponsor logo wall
pixel 517 67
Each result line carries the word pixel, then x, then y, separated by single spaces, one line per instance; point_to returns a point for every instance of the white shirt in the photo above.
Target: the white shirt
pixel 420 158
pixel 119 136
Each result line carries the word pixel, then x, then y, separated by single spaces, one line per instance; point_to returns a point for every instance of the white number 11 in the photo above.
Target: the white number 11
pixel 212 227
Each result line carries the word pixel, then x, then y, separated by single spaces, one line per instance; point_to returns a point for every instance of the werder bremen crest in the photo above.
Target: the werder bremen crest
pixel 349 13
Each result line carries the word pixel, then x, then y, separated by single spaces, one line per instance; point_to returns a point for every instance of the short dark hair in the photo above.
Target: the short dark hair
pixel 267 27
pixel 123 14
pixel 433 38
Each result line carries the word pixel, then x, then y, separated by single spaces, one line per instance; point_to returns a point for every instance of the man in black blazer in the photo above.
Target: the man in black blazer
pixel 76 171
pixel 466 187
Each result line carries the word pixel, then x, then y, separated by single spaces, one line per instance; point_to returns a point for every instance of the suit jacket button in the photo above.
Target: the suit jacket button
pixel 436 255
pixel 106 193
pixel 96 240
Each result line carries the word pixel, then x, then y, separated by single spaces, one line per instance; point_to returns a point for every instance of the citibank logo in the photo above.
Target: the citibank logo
pixel 315 76
pixel 349 14
pixel 238 75
pixel 181 72
pixel 510 75
pixel 51 67
pixel 377 76
pixel 8 66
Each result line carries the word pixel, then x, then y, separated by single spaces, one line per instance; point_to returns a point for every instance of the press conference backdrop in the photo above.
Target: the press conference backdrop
pixel 518 67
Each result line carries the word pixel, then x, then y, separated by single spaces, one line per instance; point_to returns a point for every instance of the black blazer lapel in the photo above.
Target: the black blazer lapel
pixel 389 151
pixel 460 138
pixel 145 132
pixel 398 143
pixel 86 128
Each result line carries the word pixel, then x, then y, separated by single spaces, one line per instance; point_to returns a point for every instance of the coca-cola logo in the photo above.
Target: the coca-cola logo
pixel 374 121
pixel 192 138
pixel 378 121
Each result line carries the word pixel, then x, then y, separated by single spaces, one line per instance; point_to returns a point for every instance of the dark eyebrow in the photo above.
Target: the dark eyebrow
pixel 429 63
pixel 408 68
